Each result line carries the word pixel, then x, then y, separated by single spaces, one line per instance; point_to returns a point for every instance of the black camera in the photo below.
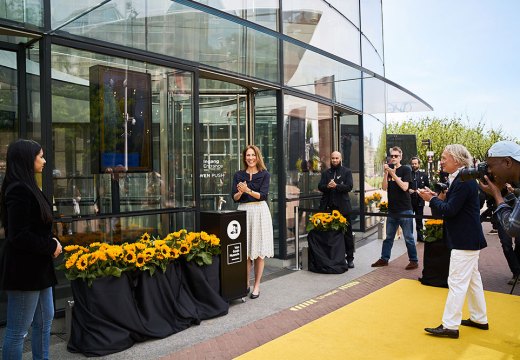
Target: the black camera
pixel 477 172
pixel 440 187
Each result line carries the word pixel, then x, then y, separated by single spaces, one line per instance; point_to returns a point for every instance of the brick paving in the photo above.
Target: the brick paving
pixel 493 267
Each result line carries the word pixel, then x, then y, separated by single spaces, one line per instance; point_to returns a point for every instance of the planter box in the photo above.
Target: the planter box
pixel 327 252
pixel 436 264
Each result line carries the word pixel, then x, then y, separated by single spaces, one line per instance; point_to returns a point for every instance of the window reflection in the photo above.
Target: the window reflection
pixel 79 189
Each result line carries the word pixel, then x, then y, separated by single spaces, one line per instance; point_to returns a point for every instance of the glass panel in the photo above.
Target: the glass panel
pixel 349 8
pixel 199 37
pixel 371 59
pixel 265 139
pixel 27 11
pixel 316 74
pixel 78 188
pixel 263 12
pixel 308 147
pixel 8 105
pixel 350 146
pixel 317 24
pixel 34 118
pixel 373 130
pixel 222 121
pixel 372 23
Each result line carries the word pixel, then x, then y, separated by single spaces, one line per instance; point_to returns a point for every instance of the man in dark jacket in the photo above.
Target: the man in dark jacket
pixel 335 184
pixel 419 181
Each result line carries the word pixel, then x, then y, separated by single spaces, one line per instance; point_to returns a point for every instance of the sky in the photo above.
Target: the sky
pixel 460 56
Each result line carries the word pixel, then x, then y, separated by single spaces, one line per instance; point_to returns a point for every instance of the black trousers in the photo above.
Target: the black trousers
pixel 418 210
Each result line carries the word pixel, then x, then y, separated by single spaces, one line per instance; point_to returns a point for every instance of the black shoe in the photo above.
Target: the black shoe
pixel 350 264
pixel 248 290
pixel 253 296
pixel 471 323
pixel 441 331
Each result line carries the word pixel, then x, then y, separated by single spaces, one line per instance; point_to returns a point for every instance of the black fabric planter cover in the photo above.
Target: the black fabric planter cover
pixel 327 252
pixel 436 264
pixel 115 312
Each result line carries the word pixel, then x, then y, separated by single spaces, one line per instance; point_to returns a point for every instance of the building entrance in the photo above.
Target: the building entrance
pixel 223 134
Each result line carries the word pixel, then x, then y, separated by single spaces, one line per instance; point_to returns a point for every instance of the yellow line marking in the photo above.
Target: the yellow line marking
pixel 321 297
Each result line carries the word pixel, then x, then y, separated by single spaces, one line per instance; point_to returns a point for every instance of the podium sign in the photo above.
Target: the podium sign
pixel 230 227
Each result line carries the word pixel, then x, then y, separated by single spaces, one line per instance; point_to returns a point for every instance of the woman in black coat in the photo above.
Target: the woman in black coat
pixel 27 263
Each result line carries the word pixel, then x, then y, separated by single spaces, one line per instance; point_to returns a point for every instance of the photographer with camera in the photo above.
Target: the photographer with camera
pixel 460 209
pixel 397 179
pixel 503 166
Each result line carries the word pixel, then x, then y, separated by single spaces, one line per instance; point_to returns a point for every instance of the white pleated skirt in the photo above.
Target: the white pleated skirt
pixel 260 242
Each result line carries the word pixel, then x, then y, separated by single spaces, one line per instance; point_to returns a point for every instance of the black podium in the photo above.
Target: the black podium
pixel 230 227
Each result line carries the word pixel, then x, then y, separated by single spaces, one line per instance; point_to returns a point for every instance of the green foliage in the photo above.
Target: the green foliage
pixel 442 132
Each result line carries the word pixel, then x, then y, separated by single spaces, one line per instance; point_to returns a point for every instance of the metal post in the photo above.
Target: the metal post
pixel 296 239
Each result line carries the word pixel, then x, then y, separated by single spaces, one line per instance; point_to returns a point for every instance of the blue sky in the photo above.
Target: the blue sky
pixel 460 56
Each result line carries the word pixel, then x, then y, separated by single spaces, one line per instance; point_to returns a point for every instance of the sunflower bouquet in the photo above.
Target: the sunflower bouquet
pixel 98 259
pixel 327 222
pixel 433 230
pixel 383 206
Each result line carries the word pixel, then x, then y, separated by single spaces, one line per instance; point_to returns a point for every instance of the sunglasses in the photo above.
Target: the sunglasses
pixel 394 156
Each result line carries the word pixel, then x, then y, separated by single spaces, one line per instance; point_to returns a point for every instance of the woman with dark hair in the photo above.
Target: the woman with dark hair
pixel 28 269
pixel 250 189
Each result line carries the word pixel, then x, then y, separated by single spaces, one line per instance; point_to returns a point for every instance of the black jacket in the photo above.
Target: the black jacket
pixel 461 214
pixel 337 198
pixel 30 247
pixel 419 181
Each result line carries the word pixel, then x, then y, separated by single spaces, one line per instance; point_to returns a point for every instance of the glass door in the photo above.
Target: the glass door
pixel 222 126
pixel 8 127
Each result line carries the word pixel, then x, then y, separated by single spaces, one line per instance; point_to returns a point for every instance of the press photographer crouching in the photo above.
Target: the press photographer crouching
pixel 503 166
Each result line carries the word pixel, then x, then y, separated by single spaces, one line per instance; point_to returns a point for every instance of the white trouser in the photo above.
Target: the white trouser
pixel 463 278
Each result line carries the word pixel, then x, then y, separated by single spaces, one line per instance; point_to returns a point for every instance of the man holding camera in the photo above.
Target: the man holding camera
pixel 419 181
pixel 503 166
pixel 396 180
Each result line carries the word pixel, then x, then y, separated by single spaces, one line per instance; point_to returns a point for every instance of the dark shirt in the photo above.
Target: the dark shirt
pixel 398 199
pixel 419 181
pixel 259 183
pixel 338 197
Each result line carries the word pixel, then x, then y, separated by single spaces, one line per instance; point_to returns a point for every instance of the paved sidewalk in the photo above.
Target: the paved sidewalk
pixel 290 301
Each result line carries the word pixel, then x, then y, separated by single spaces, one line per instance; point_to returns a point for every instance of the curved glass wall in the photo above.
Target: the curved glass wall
pixel 264 13
pixel 318 24
pixel 183 32
pixel 372 23
pixel 371 59
pixel 349 8
pixel 316 74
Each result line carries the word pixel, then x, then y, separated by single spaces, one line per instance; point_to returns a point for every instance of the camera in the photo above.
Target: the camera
pixel 440 187
pixel 477 172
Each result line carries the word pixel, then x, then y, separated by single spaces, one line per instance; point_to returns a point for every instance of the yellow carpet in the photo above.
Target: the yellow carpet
pixel 389 323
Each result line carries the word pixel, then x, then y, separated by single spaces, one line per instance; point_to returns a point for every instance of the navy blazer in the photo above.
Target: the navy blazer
pixel 461 214
pixel 338 197
pixel 30 247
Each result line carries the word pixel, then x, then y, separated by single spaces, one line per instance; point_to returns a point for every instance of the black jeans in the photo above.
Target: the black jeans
pixel 512 256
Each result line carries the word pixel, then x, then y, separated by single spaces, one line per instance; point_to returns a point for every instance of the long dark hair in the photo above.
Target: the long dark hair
pixel 20 168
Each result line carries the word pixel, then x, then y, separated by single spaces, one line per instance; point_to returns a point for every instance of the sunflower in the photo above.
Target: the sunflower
pixel 70 248
pixel 336 214
pixel 82 263
pixel 145 237
pixel 140 260
pixel 184 248
pixel 174 253
pixel 130 257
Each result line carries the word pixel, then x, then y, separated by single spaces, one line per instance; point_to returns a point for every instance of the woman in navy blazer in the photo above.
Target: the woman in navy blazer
pixel 28 268
pixel 460 210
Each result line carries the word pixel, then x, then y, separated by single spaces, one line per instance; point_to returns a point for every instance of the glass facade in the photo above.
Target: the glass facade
pixel 148 105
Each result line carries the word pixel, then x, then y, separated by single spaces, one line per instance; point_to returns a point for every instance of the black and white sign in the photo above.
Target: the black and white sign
pixel 233 229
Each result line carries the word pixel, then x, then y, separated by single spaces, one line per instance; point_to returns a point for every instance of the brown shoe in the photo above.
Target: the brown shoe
pixel 380 263
pixel 412 265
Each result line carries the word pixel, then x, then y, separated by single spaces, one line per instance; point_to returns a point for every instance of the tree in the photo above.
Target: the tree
pixel 446 131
